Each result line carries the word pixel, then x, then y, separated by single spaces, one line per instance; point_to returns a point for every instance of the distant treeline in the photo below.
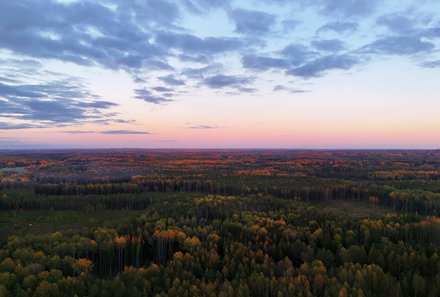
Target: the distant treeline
pixel 74 202
pixel 129 195
pixel 209 187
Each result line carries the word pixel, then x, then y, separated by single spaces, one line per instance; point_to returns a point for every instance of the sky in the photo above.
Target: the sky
pixel 322 74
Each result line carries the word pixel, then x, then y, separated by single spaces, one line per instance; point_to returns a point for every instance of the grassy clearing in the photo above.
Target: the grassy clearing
pixel 354 209
pixel 13 169
pixel 37 222
pixel 25 222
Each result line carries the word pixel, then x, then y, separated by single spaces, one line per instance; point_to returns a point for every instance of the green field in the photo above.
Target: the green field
pixel 353 209
pixel 13 169
pixel 45 221
pixel 28 222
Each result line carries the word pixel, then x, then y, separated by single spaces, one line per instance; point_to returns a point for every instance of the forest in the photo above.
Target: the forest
pixel 265 223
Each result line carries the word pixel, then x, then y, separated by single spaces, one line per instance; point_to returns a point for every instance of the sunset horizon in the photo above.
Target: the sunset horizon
pixel 222 74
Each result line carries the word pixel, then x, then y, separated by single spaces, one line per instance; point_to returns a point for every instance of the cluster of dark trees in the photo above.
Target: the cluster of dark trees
pixel 27 201
pixel 415 201
pixel 230 246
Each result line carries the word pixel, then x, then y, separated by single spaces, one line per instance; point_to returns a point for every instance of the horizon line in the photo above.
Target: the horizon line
pixel 217 149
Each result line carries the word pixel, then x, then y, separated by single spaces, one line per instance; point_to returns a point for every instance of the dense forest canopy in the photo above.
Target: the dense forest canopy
pixel 220 223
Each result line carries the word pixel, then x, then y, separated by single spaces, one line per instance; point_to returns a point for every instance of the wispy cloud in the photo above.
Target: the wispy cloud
pixel 279 88
pixel 113 132
pixel 399 45
pixel 321 65
pixel 203 127
pixel 61 101
pixel 221 81
pixel 172 80
pixel 263 63
pixel 338 26
pixel 431 64
pixel 190 44
pixel 12 126
pixel 108 132
pixel 148 96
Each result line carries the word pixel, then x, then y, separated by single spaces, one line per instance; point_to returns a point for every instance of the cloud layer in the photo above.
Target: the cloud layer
pixel 172 49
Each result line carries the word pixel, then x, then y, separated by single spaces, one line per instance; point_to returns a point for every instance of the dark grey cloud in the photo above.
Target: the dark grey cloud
pixel 297 54
pixel 292 55
pixel 158 65
pixel 252 22
pixel 340 27
pixel 431 64
pixel 191 44
pixel 396 22
pixel 118 132
pixel 147 96
pixel 198 73
pixel 172 80
pixel 162 89
pixel 204 59
pixel 138 79
pixel 220 81
pixel 280 88
pixel 54 111
pixel 433 32
pixel 399 45
pixel 263 63
pixel 328 45
pixel 406 36
pixel 321 65
pixel 12 126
